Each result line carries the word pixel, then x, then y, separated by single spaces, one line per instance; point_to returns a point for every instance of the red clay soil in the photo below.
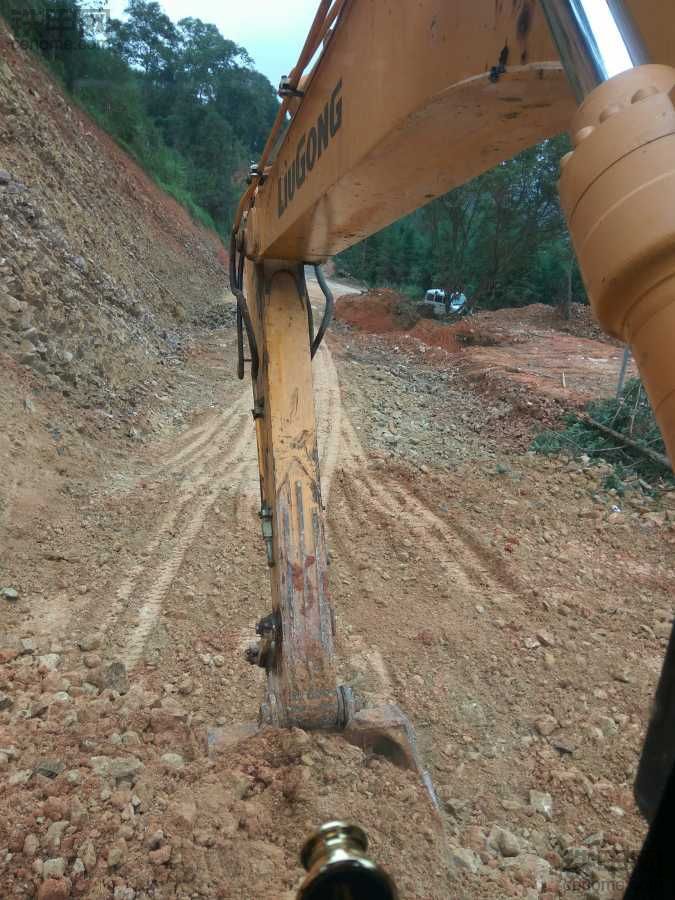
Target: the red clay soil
pixel 373 311
pixel 523 351
pixel 436 335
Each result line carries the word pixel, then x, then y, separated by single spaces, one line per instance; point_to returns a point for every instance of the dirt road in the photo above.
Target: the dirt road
pixel 501 599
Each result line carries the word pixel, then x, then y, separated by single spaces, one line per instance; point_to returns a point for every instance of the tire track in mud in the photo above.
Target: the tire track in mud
pixel 197 454
pixel 199 485
pixel 501 578
pixel 460 553
pixel 148 607
pixel 376 502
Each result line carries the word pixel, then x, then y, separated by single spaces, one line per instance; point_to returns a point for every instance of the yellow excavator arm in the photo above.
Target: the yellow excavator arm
pixel 393 103
pixel 403 102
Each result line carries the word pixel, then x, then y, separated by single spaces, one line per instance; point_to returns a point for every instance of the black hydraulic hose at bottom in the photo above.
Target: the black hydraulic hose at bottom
pixel 236 281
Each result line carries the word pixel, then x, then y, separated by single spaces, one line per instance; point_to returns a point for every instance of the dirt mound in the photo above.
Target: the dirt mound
pixel 436 335
pixel 521 324
pixel 376 311
pixel 112 791
pixel 529 355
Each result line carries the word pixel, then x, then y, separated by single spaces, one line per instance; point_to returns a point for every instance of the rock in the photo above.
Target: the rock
pixel 462 858
pixel 54 868
pixel 89 642
pixel 174 760
pixel 6 701
pixel 545 639
pixel 27 647
pixel 562 746
pixel 546 725
pixel 115 678
pixel 87 854
pixel 119 769
pixel 77 869
pixel 161 856
pixel 549 660
pixel 9 593
pixel 91 660
pixel 532 870
pixel 31 845
pixel 455 807
pixel 575 858
pixel 5 177
pixel 38 708
pixel 50 768
pixel 50 661
pixel 78 811
pixel 185 685
pixel 10 304
pixel 55 833
pixel 123 892
pixel 21 777
pixel 504 841
pixel 607 726
pixel 155 839
pixel 596 839
pixel 117 854
pixel 54 889
pixel 542 803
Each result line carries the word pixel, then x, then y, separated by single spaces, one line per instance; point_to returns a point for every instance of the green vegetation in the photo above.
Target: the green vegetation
pixel 180 98
pixel 501 239
pixel 631 416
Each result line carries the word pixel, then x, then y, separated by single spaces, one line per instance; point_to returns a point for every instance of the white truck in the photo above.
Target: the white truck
pixel 444 303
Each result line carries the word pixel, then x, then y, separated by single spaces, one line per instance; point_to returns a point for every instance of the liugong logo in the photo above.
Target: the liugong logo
pixel 310 147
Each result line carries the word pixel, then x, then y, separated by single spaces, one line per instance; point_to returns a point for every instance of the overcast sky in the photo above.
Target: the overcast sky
pixel 273 31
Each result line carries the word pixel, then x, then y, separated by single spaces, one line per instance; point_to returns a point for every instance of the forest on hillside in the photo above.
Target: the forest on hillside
pixel 181 98
pixel 501 239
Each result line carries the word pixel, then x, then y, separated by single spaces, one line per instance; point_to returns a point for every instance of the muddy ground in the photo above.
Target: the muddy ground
pixel 511 605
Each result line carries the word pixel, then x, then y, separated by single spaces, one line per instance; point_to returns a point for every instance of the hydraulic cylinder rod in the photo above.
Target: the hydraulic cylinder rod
pixel 596 40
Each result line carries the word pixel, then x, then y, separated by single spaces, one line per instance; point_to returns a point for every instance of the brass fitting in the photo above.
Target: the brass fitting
pixel 617 188
pixel 335 858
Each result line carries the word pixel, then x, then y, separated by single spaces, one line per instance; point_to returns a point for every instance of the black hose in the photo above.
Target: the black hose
pixel 327 313
pixel 236 281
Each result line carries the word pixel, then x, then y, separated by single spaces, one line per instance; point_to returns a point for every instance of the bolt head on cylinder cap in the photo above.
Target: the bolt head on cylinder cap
pixel 612 110
pixel 582 134
pixel 565 159
pixel 644 93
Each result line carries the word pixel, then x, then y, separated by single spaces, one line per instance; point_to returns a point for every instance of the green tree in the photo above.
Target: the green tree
pixel 501 239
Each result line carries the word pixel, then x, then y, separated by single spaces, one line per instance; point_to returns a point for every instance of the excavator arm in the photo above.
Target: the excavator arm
pixel 406 100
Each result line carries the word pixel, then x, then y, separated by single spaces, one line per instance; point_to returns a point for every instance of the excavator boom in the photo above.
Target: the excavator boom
pixel 406 101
